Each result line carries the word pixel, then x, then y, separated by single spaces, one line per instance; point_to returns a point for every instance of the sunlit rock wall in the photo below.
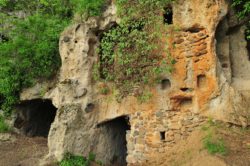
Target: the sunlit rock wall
pixel 210 79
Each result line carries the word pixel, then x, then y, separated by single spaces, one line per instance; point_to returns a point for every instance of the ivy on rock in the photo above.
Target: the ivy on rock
pixel 133 54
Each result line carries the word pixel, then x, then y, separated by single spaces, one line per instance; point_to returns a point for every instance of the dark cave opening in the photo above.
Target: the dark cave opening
pixel 201 81
pixel 247 34
pixel 34 117
pixel 116 139
pixel 162 135
pixel 3 38
pixel 168 15
pixel 165 84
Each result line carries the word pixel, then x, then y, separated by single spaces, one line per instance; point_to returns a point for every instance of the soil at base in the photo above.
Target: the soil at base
pixel 22 151
pixel 191 152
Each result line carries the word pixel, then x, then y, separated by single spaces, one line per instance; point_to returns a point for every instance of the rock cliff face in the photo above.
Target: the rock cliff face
pixel 210 79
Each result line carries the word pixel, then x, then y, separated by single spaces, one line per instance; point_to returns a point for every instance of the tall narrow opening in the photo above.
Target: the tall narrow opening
pixel 116 140
pixel 34 117
pixel 247 34
pixel 168 15
pixel 162 135
pixel 201 81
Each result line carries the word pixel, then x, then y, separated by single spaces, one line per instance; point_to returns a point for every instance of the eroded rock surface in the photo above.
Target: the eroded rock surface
pixel 210 79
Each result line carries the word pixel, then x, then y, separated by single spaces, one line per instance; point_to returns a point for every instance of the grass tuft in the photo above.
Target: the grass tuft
pixel 74 160
pixel 214 146
pixel 4 128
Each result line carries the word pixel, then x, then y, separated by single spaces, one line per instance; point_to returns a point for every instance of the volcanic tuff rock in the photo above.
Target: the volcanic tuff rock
pixel 210 79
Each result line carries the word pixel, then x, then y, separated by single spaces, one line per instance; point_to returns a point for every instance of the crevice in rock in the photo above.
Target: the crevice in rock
pixel 186 103
pixel 168 15
pixel 194 29
pixel 223 46
pixel 34 117
pixel 162 135
pixel 90 107
pixel 185 89
pixel 201 81
pixel 248 48
pixel 116 130
pixel 92 43
pixel 165 84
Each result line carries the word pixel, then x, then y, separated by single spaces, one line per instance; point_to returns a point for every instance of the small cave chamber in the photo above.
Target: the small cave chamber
pixel 34 117
pixel 115 139
pixel 168 15
pixel 165 84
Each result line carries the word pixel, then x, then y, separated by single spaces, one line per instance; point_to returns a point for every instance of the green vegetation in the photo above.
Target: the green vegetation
pixel 214 145
pixel 133 53
pixel 3 126
pixel 145 96
pixel 104 90
pixel 242 7
pixel 88 7
pixel 71 160
pixel 212 142
pixel 30 53
pixel 243 11
pixel 29 35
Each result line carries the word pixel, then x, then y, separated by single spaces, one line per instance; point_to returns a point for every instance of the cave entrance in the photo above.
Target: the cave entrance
pixel 116 140
pixel 34 117
pixel 168 15
pixel 223 47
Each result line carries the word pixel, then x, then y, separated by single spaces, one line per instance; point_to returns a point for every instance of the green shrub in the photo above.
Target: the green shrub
pixel 72 160
pixel 3 126
pixel 242 7
pixel 145 96
pixel 30 51
pixel 88 7
pixel 214 146
pixel 104 90
pixel 30 54
pixel 243 11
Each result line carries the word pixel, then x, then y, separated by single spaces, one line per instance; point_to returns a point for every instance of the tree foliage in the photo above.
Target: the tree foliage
pixel 29 34
pixel 243 11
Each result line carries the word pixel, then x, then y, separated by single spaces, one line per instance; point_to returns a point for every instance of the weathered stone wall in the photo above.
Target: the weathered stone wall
pixel 202 85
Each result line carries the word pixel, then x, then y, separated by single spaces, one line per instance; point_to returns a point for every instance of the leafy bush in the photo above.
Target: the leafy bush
pixel 242 7
pixel 213 145
pixel 213 142
pixel 29 35
pixel 243 11
pixel 72 160
pixel 3 126
pixel 132 53
pixel 88 7
pixel 30 54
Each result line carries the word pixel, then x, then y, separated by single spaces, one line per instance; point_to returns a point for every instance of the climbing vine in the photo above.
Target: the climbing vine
pixel 132 53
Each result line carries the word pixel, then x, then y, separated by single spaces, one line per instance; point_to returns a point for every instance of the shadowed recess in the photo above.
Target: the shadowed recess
pixel 34 117
pixel 116 139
